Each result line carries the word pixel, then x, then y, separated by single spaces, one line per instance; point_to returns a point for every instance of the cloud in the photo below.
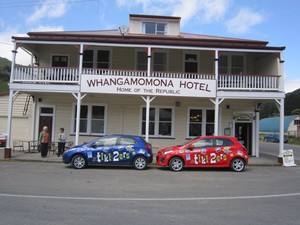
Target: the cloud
pixel 48 28
pixel 7 46
pixel 243 21
pixel 291 85
pixel 206 11
pixel 50 9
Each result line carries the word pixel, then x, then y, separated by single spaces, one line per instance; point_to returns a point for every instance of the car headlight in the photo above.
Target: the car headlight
pixel 167 152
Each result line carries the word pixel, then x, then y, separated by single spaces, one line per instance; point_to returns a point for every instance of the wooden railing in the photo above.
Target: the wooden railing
pixel 248 82
pixel 56 75
pixel 46 75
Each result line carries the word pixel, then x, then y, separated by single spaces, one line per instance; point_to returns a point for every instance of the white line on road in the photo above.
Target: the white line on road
pixel 150 199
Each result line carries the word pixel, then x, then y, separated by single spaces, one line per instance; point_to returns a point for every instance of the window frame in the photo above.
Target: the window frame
pixel 156 32
pixel 229 67
pixel 95 60
pixel 60 56
pixel 203 122
pixel 89 119
pixel 157 121
pixel 166 65
pixel 190 61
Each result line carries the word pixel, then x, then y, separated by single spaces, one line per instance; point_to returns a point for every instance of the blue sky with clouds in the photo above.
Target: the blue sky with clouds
pixel 275 21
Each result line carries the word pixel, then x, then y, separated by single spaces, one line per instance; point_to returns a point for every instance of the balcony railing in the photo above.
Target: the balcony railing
pixel 70 76
pixel 248 82
pixel 51 75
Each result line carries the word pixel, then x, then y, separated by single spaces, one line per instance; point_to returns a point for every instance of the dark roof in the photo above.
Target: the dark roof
pixel 155 17
pixel 113 36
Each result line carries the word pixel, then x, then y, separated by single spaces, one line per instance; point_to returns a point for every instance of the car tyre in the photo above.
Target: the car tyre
pixel 176 164
pixel 140 163
pixel 78 162
pixel 237 165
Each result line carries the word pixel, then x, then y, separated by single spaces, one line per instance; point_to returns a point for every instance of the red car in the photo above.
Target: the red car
pixel 205 151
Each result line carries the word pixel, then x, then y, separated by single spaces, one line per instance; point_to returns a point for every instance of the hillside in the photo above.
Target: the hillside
pixel 4 73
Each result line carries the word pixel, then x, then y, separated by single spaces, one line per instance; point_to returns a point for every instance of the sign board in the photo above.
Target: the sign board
pixel 155 86
pixel 288 158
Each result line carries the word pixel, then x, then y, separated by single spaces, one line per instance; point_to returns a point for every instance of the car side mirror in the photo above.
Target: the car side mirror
pixel 93 146
pixel 191 147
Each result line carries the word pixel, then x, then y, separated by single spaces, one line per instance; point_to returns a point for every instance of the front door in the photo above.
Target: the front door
pixel 243 131
pixel 46 119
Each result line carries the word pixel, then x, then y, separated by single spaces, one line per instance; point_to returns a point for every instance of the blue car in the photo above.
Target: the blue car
pixel 273 138
pixel 114 149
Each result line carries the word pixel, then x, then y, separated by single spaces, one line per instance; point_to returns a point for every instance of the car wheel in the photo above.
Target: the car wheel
pixel 78 162
pixel 176 164
pixel 237 165
pixel 140 163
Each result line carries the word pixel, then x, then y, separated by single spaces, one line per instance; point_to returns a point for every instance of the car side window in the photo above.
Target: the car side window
pixel 223 142
pixel 127 141
pixel 204 143
pixel 106 142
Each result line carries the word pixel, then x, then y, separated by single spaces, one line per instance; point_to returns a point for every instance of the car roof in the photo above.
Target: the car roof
pixel 123 135
pixel 220 136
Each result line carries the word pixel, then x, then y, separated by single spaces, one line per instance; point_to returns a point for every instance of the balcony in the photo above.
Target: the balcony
pixel 70 76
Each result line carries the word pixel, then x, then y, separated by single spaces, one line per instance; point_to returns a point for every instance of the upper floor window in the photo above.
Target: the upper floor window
pixel 154 28
pixel 59 61
pixel 159 61
pixel 231 64
pixel 191 63
pixel 96 59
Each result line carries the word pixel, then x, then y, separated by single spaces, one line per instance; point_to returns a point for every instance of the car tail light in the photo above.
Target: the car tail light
pixel 148 147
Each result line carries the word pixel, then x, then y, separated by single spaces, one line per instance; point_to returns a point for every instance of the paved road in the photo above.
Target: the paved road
pixel 52 193
pixel 273 149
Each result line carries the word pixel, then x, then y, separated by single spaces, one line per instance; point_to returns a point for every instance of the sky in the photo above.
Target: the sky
pixel 274 21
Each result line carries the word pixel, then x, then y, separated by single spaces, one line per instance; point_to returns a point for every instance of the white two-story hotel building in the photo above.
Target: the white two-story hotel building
pixel 147 79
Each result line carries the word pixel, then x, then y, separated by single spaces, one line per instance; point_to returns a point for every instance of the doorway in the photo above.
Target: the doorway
pixel 46 119
pixel 243 131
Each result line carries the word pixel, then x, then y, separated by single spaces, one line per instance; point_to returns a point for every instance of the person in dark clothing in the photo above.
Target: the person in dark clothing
pixel 61 141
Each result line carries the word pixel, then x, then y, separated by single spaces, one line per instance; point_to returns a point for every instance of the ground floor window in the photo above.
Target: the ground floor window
pixel 92 119
pixel 161 121
pixel 200 122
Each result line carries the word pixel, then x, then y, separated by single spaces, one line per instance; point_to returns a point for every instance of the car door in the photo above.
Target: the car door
pixel 124 151
pixel 203 153
pixel 223 147
pixel 101 151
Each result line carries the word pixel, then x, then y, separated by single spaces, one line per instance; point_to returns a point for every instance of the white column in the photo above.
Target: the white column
pixel 216 128
pixel 217 102
pixel 281 71
pixel 256 133
pixel 217 64
pixel 80 63
pixel 9 118
pixel 147 118
pixel 79 96
pixel 281 131
pixel 11 95
pixel 78 118
pixel 148 98
pixel 216 133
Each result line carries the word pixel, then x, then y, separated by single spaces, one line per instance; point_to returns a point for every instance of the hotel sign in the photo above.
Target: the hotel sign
pixel 155 86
